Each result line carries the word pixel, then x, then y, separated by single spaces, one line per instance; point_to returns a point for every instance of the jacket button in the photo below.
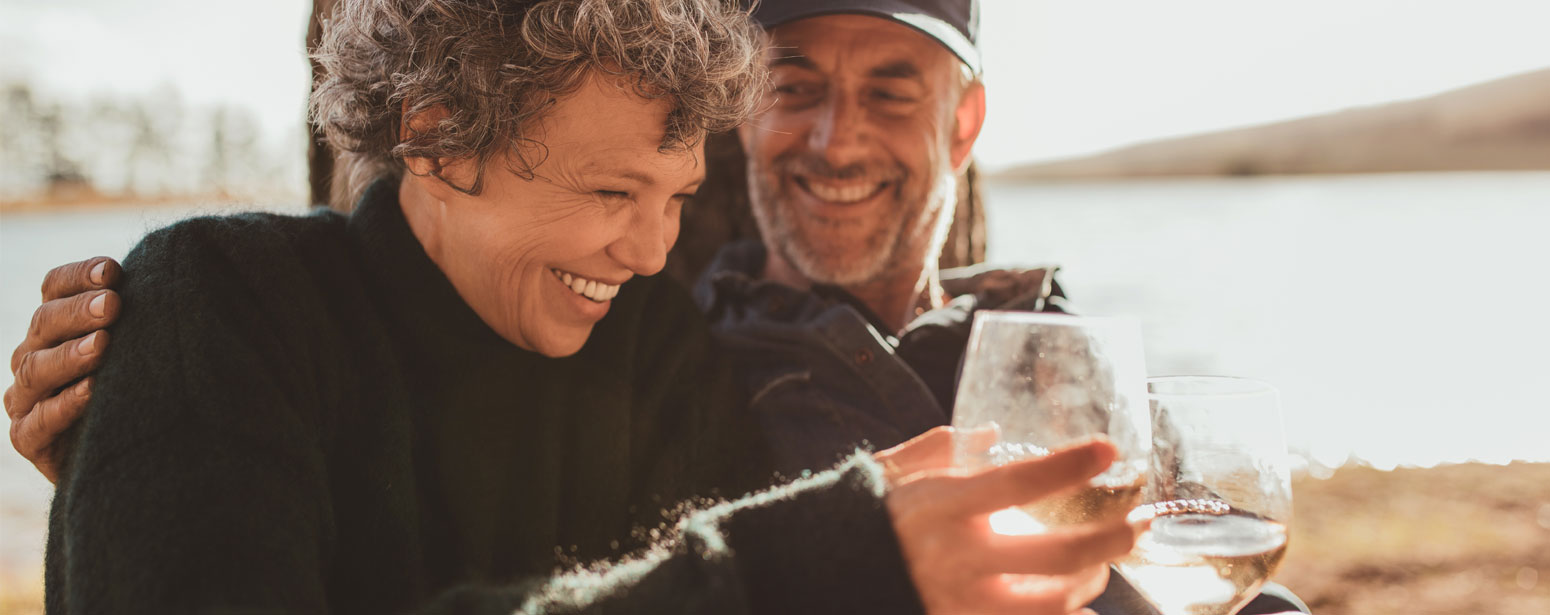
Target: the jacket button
pixel 863 356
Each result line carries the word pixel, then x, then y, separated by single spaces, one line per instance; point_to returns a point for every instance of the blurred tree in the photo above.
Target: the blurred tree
pixel 62 174
pixel 233 156
pixel 19 172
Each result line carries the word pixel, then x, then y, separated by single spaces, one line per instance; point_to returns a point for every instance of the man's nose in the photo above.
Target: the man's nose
pixel 838 132
pixel 643 247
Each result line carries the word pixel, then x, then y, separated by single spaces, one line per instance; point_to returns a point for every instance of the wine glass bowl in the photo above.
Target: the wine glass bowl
pixel 1219 495
pixel 1042 382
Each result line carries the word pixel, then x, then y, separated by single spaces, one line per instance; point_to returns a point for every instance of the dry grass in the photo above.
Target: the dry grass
pixel 1451 540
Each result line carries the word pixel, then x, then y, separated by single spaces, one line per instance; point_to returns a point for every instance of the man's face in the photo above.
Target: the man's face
pixel 851 168
pixel 540 258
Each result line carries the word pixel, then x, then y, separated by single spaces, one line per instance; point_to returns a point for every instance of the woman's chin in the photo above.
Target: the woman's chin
pixel 557 341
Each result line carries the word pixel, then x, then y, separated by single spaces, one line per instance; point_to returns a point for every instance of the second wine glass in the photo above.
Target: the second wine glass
pixel 1220 496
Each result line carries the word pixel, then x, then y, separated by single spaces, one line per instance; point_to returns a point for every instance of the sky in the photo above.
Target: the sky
pixel 1065 77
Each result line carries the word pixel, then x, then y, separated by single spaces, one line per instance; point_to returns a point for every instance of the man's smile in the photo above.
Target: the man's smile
pixel 841 191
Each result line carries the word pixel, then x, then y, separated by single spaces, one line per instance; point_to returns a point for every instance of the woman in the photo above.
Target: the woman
pixel 456 387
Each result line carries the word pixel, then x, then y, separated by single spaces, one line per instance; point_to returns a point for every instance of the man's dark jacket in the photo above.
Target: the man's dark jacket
pixel 826 375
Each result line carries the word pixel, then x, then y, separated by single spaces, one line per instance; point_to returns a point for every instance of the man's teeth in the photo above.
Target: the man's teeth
pixel 846 193
pixel 591 289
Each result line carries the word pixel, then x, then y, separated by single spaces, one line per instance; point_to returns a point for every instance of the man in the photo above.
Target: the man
pixel 838 319
pixel 840 323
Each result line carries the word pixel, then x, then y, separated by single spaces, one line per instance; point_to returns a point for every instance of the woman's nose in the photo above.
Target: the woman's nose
pixel 644 245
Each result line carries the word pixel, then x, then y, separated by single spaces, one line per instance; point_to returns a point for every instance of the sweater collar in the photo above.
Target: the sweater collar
pixel 415 288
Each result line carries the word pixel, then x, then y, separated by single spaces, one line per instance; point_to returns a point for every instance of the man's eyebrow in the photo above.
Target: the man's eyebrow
pixel 901 69
pixel 796 59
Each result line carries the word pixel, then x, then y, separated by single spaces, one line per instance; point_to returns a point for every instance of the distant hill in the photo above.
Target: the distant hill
pixel 1497 125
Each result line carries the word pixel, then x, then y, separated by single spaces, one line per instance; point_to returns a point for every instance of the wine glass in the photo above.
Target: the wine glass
pixel 1220 496
pixel 1040 382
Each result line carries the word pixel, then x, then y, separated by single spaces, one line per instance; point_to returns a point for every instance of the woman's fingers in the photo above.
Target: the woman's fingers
pixel 960 565
pixel 933 450
pixel 1021 482
pixel 928 451
pixel 1060 550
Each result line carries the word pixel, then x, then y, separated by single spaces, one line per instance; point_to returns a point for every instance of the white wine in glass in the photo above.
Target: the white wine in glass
pixel 1220 496
pixel 1041 382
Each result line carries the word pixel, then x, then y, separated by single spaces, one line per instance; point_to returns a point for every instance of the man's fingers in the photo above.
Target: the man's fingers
pixel 72 317
pixel 1027 480
pixel 42 371
pixel 35 433
pixel 1060 550
pixel 78 277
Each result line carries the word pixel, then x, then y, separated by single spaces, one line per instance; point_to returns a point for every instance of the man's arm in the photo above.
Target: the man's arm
pixel 52 366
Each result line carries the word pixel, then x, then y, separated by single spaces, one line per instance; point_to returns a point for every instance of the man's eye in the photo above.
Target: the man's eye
pixel 612 195
pixel 891 96
pixel 792 91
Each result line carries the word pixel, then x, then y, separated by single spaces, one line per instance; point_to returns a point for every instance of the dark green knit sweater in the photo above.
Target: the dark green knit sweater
pixel 300 415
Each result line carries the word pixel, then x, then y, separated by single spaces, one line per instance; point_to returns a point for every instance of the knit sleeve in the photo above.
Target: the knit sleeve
pixel 195 481
pixel 822 544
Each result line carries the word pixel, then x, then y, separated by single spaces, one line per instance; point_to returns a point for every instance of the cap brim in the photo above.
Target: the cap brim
pixel 938 30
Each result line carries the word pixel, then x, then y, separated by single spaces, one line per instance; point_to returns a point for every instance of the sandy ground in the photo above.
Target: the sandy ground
pixel 1452 540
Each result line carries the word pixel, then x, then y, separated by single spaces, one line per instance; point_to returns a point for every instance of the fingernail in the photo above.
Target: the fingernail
pixel 99 305
pixel 84 388
pixel 96 273
pixel 88 344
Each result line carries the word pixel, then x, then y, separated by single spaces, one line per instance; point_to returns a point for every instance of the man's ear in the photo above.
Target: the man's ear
pixel 968 118
pixel 434 175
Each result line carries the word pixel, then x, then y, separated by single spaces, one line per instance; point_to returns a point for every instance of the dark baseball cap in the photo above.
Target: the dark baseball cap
pixel 953 23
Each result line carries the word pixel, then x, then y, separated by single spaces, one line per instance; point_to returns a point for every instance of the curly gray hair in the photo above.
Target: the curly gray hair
pixel 497 65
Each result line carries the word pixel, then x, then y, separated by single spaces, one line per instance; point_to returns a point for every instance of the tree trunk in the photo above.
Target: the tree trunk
pixel 320 157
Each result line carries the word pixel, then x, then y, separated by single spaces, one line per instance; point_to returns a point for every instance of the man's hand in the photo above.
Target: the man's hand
pixel 959 565
pixel 63 345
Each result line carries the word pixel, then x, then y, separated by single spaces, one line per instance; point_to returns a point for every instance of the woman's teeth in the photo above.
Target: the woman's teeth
pixel 591 289
pixel 843 193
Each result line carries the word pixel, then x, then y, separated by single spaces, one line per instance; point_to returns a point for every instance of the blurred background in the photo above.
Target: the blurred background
pixel 1347 198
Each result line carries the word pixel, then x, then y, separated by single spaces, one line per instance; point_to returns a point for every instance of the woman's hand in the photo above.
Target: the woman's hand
pixel 959 565
pixel 63 345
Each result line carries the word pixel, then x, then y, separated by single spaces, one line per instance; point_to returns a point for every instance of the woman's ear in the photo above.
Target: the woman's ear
pixel 435 174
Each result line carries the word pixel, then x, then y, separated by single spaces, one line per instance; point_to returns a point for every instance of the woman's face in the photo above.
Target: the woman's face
pixel 540 258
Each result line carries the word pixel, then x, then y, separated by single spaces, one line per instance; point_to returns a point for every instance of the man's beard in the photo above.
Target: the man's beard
pixel 822 250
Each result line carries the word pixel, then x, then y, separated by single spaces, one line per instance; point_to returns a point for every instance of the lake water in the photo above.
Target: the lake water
pixel 1402 316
